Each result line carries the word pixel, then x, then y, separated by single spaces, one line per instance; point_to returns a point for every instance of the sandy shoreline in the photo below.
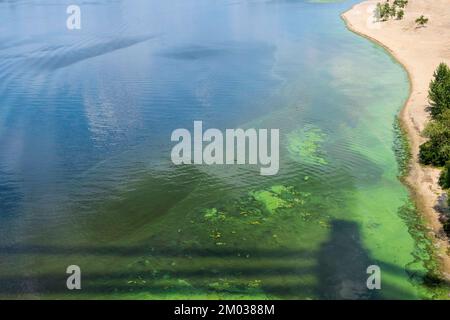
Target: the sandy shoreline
pixel 419 50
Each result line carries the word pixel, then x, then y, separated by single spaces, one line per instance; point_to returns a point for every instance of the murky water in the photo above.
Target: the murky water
pixel 85 171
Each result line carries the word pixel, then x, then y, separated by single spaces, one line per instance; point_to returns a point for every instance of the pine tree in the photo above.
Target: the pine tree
pixel 439 92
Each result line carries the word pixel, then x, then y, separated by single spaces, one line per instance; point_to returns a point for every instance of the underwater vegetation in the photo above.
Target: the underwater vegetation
pixel 237 238
pixel 257 208
pixel 401 147
pixel 304 145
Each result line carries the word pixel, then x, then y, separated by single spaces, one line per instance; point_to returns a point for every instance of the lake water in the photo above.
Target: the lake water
pixel 85 171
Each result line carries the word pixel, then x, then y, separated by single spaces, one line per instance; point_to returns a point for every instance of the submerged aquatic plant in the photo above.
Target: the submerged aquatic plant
pixel 232 233
pixel 279 197
pixel 424 254
pixel 402 148
pixel 257 207
pixel 213 214
pixel 270 200
pixel 305 145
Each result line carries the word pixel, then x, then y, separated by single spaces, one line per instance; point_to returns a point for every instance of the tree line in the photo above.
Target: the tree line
pixel 436 151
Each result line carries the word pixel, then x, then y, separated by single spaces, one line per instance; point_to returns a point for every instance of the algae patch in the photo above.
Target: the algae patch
pixel 305 145
pixel 271 199
pixel 259 205
pixel 279 197
pixel 425 259
pixel 402 148
pixel 213 214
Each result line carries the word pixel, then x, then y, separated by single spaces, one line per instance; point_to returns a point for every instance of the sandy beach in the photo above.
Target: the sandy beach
pixel 419 50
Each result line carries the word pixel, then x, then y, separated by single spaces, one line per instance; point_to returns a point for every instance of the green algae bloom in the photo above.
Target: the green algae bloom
pixel 270 200
pixel 279 197
pixel 212 214
pixel 304 145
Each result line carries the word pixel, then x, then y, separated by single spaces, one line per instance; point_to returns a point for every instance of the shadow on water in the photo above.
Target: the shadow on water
pixel 342 262
pixel 338 267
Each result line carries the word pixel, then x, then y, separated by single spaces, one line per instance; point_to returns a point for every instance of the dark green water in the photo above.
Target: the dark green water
pixel 85 171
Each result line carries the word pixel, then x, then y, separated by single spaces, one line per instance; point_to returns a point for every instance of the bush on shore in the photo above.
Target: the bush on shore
pixel 444 179
pixel 422 21
pixel 436 151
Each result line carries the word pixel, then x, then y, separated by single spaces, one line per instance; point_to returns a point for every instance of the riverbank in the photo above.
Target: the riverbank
pixel 419 50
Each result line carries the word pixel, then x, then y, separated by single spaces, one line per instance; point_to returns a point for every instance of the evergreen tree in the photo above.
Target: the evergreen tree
pixel 436 151
pixel 439 92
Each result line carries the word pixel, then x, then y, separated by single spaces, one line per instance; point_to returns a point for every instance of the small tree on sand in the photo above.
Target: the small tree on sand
pixel 422 21
pixel 385 11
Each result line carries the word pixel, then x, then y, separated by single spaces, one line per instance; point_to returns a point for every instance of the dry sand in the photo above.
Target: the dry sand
pixel 420 50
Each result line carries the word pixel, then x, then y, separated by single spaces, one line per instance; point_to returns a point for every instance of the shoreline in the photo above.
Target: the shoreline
pixel 408 46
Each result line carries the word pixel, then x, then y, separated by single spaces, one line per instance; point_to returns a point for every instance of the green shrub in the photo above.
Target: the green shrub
pixel 400 3
pixel 444 179
pixel 422 21
pixel 436 151
pixel 430 154
pixel 383 11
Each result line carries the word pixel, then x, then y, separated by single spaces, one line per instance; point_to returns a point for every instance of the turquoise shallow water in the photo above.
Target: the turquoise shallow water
pixel 85 171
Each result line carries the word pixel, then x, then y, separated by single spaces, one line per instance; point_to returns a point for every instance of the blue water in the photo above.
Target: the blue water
pixel 72 100
pixel 85 123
